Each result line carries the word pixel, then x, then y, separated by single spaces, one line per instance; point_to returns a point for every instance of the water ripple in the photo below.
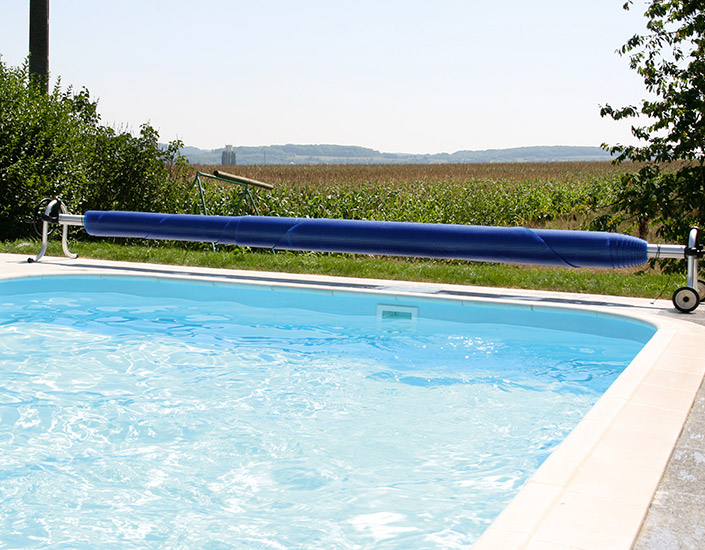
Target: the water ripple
pixel 133 422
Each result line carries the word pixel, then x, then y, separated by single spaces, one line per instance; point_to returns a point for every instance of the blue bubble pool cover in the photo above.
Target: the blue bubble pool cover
pixel 518 245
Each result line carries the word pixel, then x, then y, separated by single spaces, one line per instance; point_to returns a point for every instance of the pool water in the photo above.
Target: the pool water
pixel 155 414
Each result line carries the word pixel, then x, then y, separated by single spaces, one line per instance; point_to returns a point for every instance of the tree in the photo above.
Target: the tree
pixel 668 192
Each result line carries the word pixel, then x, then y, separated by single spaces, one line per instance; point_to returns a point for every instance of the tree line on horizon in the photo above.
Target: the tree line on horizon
pixel 350 154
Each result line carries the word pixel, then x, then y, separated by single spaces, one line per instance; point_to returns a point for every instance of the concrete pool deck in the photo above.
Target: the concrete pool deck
pixel 631 475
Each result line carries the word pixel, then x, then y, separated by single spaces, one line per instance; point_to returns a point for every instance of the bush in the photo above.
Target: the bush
pixel 131 173
pixel 52 145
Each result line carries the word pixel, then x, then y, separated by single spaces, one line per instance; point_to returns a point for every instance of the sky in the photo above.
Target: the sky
pixel 399 76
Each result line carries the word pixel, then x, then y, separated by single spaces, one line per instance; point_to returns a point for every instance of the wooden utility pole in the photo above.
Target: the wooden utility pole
pixel 39 42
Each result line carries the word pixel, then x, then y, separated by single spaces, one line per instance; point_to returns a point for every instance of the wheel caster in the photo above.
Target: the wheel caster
pixel 701 289
pixel 686 299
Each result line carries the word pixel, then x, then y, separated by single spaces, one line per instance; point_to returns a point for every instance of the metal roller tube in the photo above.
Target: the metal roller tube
pixel 675 251
pixel 71 219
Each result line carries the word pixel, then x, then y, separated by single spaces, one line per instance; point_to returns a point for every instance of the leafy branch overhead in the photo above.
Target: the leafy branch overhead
pixel 670 59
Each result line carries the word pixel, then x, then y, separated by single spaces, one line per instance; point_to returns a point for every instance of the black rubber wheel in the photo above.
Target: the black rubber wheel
pixel 686 299
pixel 701 289
pixel 37 218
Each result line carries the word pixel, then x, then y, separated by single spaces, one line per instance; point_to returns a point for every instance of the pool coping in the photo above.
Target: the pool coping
pixel 596 487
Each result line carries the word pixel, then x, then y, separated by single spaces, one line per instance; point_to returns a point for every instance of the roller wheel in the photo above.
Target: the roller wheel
pixel 701 289
pixel 686 299
pixel 37 218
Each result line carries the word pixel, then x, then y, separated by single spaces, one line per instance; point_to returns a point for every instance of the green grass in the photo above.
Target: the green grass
pixel 644 282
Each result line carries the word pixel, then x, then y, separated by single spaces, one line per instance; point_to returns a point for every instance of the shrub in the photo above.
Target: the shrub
pixel 52 145
pixel 43 149
pixel 131 173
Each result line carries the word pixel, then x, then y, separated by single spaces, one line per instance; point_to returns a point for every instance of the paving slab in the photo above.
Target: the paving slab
pixel 676 517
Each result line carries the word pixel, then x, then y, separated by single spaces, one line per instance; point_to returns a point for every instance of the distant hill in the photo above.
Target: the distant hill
pixel 347 154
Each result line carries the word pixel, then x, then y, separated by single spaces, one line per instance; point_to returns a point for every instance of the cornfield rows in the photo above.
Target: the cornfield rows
pixel 532 194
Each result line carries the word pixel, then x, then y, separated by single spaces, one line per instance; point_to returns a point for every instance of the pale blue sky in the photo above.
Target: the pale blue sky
pixel 415 76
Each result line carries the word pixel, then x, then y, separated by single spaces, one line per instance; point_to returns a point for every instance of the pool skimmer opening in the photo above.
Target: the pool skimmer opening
pixel 397 313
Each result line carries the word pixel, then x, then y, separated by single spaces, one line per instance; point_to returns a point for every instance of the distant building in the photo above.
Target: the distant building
pixel 228 158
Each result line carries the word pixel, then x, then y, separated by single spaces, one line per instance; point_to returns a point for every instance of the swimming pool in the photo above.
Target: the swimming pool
pixel 149 411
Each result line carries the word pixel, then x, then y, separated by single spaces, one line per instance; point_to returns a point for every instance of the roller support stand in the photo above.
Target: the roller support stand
pixel 53 211
pixel 687 298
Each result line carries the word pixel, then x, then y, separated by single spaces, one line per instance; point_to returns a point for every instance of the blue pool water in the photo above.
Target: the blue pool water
pixel 151 413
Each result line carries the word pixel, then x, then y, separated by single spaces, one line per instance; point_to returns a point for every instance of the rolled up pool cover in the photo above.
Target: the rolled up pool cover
pixel 518 245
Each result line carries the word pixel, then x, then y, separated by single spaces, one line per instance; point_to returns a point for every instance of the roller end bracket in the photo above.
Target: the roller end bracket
pixel 54 212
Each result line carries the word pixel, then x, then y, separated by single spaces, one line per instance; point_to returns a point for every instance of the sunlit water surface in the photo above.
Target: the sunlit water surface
pixel 164 422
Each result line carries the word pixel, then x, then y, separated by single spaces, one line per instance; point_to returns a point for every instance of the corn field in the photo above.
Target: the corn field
pixel 564 195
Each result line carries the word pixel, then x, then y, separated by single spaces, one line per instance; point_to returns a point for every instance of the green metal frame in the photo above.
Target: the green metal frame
pixel 245 194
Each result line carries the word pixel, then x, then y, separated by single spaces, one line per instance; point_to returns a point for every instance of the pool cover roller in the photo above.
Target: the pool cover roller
pixel 518 245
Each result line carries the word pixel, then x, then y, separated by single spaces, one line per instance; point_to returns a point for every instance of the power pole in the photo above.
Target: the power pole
pixel 39 42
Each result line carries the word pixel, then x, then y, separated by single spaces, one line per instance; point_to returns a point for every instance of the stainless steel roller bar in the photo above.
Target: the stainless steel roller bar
pixel 71 219
pixel 676 251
